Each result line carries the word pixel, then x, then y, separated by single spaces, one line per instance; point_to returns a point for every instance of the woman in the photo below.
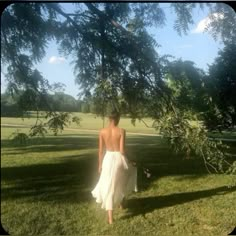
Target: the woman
pixel 117 176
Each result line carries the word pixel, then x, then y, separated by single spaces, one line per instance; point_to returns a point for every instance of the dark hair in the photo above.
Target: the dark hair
pixel 114 115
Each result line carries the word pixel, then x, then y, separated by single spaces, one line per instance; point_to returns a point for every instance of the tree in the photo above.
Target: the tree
pixel 63 102
pixel 222 86
pixel 188 85
pixel 94 33
pixel 9 107
pixel 114 56
pixel 222 23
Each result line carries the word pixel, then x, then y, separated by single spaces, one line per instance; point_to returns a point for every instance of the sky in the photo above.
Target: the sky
pixel 196 46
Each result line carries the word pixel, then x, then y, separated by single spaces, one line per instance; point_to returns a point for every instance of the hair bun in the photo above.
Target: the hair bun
pixel 114 114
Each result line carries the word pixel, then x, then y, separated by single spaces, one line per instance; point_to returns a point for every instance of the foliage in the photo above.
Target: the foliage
pixel 188 86
pixel 76 120
pixel 22 47
pixel 189 136
pixel 63 102
pixel 58 121
pixel 95 38
pixel 222 23
pixel 38 130
pixel 184 18
pixel 19 138
pixel 10 106
pixel 115 60
pixel 221 83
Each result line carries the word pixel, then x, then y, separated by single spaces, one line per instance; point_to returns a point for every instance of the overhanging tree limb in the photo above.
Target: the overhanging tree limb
pixel 103 16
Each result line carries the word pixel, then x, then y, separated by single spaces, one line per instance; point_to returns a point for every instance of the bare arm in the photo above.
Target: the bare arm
pixel 100 152
pixel 122 142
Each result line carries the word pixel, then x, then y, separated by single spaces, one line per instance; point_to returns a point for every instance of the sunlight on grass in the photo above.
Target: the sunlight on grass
pixel 89 121
pixel 45 189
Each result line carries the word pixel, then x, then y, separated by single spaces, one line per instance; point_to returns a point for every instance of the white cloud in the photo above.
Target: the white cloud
pixel 56 60
pixel 201 26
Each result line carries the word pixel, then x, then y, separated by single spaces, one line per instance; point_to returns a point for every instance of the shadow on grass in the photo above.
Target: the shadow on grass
pixel 53 144
pixel 156 156
pixel 70 180
pixel 141 206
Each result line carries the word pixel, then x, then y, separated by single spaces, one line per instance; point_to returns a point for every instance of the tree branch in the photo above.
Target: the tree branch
pixel 146 124
pixel 120 27
pixel 56 8
pixel 207 163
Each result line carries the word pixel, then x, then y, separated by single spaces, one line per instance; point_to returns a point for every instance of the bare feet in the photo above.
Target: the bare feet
pixel 110 221
pixel 110 217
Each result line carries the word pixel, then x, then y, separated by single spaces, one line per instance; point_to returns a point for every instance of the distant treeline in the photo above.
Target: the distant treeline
pixel 10 106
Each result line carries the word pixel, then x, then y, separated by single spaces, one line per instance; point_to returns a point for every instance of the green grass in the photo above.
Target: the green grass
pixel 46 185
pixel 89 121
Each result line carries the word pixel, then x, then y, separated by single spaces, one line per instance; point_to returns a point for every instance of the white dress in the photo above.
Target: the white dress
pixel 118 178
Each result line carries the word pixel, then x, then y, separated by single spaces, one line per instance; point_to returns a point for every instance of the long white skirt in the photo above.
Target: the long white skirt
pixel 118 178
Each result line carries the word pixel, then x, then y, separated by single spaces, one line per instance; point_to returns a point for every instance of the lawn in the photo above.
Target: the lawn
pixel 88 121
pixel 45 189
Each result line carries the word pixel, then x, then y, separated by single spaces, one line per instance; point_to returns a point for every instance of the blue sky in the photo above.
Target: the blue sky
pixel 196 46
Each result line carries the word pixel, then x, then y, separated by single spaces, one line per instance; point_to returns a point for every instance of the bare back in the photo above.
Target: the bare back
pixel 113 138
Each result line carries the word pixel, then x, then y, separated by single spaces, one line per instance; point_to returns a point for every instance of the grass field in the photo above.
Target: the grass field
pixel 91 122
pixel 45 188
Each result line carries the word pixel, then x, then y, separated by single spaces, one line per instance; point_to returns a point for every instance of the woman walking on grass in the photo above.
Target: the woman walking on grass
pixel 117 176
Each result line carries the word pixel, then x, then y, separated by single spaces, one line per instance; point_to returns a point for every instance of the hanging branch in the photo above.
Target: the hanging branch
pixel 146 124
pixel 102 29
